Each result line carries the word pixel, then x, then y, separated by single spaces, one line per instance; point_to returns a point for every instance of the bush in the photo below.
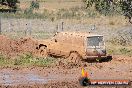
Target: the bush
pixel 119 50
pixel 34 5
pixel 125 51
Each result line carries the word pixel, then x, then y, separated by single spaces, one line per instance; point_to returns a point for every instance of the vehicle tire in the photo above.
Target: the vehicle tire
pixel 107 59
pixel 74 58
pixel 43 51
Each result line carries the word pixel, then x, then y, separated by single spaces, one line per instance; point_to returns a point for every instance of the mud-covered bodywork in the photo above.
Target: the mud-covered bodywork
pixel 85 45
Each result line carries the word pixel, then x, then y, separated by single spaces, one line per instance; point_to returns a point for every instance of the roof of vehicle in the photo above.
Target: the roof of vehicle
pixel 87 34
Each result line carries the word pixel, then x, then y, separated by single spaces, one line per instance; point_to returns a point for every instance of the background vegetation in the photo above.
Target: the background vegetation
pixel 124 7
pixel 87 8
pixel 106 7
pixel 27 60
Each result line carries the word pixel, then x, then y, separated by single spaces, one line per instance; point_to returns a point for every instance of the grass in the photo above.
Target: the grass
pixel 52 4
pixel 27 60
pixel 72 13
pixel 23 15
pixel 34 34
pixel 119 50
pixel 67 9
pixel 42 35
pixel 2 60
pixel 46 9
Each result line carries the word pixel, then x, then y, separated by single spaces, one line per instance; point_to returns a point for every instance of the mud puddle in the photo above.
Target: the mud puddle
pixel 11 78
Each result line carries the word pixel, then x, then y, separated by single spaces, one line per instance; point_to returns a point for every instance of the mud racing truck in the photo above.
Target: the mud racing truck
pixel 73 46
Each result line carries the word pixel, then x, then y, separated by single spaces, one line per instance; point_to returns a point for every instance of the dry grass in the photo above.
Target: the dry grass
pixel 52 5
pixel 110 22
pixel 119 49
pixel 51 8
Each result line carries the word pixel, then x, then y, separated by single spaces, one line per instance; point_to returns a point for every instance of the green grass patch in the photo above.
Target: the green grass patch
pixel 4 61
pixel 27 60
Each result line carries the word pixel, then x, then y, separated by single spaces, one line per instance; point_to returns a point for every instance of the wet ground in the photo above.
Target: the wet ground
pixel 13 78
pixel 59 77
pixel 30 76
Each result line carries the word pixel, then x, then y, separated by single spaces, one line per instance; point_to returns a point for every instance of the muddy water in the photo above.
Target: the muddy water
pixel 12 78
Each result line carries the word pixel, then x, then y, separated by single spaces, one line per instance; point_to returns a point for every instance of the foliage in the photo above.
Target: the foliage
pixel 34 5
pixel 2 59
pixel 123 7
pixel 126 7
pixel 27 60
pixel 125 51
pixel 11 3
pixel 23 59
pixel 116 50
pixel 71 13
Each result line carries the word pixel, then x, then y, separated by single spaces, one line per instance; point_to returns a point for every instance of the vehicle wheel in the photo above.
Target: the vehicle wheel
pixel 43 51
pixel 108 58
pixel 74 58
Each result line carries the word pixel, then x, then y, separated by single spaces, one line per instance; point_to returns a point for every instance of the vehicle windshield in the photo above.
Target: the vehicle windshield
pixel 95 41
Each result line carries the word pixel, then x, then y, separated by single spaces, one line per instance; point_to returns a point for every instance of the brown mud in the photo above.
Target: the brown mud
pixel 11 48
pixel 61 75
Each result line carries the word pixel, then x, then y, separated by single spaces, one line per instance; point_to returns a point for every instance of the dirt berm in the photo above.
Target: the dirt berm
pixel 13 47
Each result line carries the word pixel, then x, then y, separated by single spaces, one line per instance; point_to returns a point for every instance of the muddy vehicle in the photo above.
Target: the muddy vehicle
pixel 74 46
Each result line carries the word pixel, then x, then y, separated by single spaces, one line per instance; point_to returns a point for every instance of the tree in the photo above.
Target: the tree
pixel 10 3
pixel 105 6
pixel 126 7
pixel 34 5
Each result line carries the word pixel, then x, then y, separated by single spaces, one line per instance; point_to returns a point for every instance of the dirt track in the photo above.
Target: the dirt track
pixel 53 77
pixel 58 76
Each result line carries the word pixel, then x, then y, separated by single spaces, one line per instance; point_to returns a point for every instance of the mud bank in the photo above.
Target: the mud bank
pixel 10 47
